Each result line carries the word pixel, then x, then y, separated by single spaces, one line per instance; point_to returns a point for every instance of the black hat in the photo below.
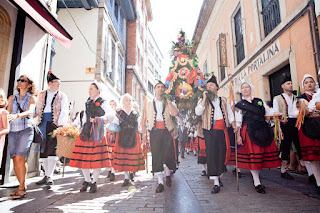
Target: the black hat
pixel 213 79
pixel 51 76
pixel 159 82
pixel 285 79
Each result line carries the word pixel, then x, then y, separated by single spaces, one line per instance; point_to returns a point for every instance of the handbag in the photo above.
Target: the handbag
pixel 37 134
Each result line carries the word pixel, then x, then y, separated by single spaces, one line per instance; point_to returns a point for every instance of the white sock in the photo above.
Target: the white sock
pixel 216 180
pixel 283 166
pixel 194 152
pixel 167 171
pixel 86 175
pixel 95 175
pixel 52 161
pixel 126 175
pixel 112 170
pixel 255 176
pixel 160 177
pixel 308 167
pixel 239 170
pixel 315 165
pixel 203 167
pixel 44 164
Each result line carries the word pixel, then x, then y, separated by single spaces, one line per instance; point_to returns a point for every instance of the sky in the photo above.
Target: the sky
pixel 169 16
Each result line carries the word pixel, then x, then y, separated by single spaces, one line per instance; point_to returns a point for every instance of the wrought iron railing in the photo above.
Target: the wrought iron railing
pixel 271 15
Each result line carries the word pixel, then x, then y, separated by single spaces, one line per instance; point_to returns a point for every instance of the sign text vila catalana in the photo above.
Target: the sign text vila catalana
pixel 266 55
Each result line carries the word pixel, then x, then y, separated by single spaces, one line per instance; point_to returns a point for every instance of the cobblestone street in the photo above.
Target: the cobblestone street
pixel 190 192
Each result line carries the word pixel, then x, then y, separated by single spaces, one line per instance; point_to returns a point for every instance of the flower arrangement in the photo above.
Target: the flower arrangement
pixel 68 131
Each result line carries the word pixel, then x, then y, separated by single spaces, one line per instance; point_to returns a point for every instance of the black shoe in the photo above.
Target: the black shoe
pixel 93 187
pixel 286 175
pixel 49 181
pixel 85 186
pixel 132 177
pixel 182 156
pixel 220 182
pixel 112 177
pixel 108 176
pixel 125 182
pixel 43 181
pixel 203 173
pixel 312 179
pixel 56 171
pixel 168 181
pixel 215 189
pixel 260 189
pixel 187 153
pixel 195 154
pixel 160 188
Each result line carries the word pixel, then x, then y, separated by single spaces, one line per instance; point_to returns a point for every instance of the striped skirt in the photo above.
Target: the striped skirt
pixel 202 157
pixel 254 157
pixel 91 155
pixel 310 148
pixel 128 159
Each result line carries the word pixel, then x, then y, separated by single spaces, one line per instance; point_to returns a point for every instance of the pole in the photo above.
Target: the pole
pixel 236 153
pixel 146 148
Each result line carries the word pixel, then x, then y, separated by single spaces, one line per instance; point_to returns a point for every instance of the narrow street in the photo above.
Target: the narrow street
pixel 190 192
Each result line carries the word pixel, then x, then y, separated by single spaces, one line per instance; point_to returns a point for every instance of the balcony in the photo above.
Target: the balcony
pixel 87 4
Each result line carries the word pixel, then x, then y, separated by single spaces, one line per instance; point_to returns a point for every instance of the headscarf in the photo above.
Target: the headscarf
pixel 245 82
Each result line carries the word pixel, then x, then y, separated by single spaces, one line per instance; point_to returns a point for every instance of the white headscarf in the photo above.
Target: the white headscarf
pixel 245 82
pixel 103 89
pixel 305 77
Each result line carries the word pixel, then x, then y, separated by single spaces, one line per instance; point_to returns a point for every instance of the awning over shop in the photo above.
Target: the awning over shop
pixel 46 20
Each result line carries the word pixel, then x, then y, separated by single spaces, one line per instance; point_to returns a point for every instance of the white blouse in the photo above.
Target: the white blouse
pixel 217 110
pixel 159 107
pixel 239 114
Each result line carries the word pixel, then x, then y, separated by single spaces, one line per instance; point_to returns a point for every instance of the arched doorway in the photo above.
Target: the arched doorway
pixel 5 28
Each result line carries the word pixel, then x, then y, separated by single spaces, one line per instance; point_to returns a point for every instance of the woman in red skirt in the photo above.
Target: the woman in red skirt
pixel 258 148
pixel 92 151
pixel 309 135
pixel 127 155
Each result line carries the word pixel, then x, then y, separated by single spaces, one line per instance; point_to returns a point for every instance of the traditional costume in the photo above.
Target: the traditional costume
pixel 91 150
pixel 202 157
pixel 259 149
pixel 286 105
pixel 309 136
pixel 127 155
pixel 216 117
pixel 52 111
pixel 160 126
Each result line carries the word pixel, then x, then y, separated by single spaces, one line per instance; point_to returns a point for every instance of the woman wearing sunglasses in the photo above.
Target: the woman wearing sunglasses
pixel 21 106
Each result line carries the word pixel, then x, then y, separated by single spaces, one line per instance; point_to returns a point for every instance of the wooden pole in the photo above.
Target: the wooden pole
pixel 236 153
pixel 64 164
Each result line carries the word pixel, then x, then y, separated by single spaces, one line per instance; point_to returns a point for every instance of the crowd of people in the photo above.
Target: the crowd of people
pixel 212 136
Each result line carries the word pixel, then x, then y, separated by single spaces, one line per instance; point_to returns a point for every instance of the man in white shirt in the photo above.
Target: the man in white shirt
pixel 285 103
pixel 52 112
pixel 160 125
pixel 216 117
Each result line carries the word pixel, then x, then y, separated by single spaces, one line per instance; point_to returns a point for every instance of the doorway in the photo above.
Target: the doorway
pixel 275 80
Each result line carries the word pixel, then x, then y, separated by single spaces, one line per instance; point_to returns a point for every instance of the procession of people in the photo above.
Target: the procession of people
pixel 212 136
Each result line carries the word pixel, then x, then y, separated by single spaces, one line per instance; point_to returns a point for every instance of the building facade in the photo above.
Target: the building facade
pixel 155 59
pixel 99 47
pixel 25 48
pixel 136 69
pixel 258 41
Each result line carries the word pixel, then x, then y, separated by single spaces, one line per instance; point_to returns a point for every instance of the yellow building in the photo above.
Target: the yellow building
pixel 259 41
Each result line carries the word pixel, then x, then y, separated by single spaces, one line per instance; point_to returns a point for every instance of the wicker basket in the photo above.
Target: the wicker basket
pixel 65 146
pixel 318 105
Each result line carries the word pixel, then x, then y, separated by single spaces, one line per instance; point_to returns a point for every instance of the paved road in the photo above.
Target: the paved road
pixel 189 193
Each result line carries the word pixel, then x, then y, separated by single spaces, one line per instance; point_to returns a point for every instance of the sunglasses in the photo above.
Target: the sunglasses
pixel 22 80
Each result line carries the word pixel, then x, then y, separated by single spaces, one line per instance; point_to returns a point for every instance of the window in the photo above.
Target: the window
pixel 138 58
pixel 271 15
pixel 156 74
pixel 156 57
pixel 133 90
pixel 222 70
pixel 106 57
pixel 120 72
pixel 150 67
pixel 205 67
pixel 151 48
pixel 116 9
pixel 150 87
pixel 113 60
pixel 239 36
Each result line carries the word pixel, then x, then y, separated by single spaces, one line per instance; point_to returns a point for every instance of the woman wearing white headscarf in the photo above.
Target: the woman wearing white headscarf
pixel 309 136
pixel 91 150
pixel 258 148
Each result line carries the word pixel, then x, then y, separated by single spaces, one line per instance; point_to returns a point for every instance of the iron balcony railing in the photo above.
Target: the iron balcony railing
pixel 271 15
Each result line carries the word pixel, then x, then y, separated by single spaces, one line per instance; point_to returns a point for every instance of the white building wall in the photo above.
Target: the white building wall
pixel 70 66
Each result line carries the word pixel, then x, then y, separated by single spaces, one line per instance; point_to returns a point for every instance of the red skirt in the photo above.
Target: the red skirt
pixel 194 145
pixel 254 157
pixel 310 148
pixel 128 159
pixel 91 155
